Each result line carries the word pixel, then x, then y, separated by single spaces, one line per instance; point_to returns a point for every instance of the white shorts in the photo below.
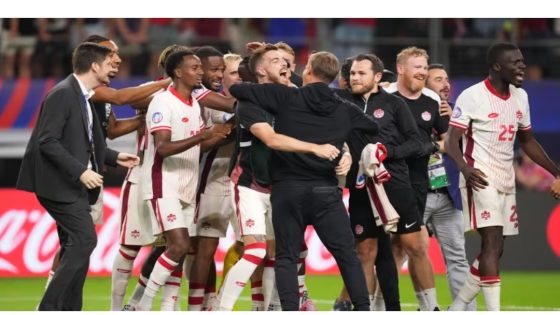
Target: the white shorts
pixel 254 212
pixel 136 225
pixel 212 215
pixel 489 207
pixel 97 209
pixel 168 214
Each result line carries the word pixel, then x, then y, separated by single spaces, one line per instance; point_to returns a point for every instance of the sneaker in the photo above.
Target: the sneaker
pixel 128 308
pixel 342 306
pixel 436 309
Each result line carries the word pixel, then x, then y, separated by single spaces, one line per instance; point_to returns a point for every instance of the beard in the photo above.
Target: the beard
pixel 415 85
pixel 362 88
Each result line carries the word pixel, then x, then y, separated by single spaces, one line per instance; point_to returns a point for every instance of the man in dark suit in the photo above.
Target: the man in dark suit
pixel 61 164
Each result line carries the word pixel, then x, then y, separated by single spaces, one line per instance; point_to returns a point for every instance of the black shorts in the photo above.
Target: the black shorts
pixel 421 190
pixel 403 198
pixel 362 221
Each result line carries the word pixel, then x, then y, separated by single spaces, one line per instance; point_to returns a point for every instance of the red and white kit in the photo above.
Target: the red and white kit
pixel 491 122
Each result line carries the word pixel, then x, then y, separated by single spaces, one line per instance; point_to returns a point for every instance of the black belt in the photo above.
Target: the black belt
pixel 442 190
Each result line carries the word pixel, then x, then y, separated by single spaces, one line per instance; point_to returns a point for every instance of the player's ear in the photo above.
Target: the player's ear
pixel 177 72
pixel 496 67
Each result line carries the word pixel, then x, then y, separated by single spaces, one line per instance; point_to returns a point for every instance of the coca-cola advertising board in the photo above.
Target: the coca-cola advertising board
pixel 29 241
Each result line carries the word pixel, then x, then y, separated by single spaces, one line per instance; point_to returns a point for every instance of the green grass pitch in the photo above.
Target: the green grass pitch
pixel 521 291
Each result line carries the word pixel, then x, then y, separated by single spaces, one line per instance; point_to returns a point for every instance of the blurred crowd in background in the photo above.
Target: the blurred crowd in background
pixel 41 47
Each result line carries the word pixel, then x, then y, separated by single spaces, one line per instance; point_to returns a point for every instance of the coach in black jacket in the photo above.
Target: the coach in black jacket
pixel 61 164
pixel 304 187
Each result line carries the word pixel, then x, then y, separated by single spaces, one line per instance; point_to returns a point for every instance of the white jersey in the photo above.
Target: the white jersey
pixel 490 123
pixel 175 176
pixel 214 177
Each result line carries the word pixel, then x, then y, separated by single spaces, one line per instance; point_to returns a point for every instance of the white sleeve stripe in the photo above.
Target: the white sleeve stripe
pixel 525 127
pixel 203 95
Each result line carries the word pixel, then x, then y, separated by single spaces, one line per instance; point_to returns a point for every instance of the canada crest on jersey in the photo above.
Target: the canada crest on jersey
pixel 378 113
pixel 426 116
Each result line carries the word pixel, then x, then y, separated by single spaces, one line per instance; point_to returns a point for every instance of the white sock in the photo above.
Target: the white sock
pixel 490 286
pixel 162 269
pixel 371 299
pixel 257 297
pixel 469 290
pixel 239 274
pixel 275 304
pixel 122 269
pixel 421 298
pixel 209 299
pixel 196 296
pixel 268 281
pixel 49 279
pixel 430 297
pixel 170 291
pixel 138 291
pixel 378 301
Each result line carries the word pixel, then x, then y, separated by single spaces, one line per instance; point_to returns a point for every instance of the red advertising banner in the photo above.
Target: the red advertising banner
pixel 29 241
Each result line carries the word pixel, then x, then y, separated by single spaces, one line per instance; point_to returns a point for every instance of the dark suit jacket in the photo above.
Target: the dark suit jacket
pixel 59 149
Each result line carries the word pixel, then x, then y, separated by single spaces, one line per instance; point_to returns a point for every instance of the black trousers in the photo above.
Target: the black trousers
pixel 77 241
pixel 296 204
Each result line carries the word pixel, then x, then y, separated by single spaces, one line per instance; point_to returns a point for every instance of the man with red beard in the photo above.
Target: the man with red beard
pixel 412 69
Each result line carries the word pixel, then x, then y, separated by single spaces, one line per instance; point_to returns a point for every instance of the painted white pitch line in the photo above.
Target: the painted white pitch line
pixel 321 302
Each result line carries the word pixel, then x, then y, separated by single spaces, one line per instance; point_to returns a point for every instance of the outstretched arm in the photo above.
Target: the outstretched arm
pixel 280 142
pixel 128 95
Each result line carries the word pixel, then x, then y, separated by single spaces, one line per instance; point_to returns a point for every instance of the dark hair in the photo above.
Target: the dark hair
pixel 245 72
pixel 495 52
pixel 345 69
pixel 258 54
pixel 376 63
pixel 96 39
pixel 388 76
pixel 204 52
pixel 175 59
pixel 324 66
pixel 436 66
pixel 86 54
pixel 168 51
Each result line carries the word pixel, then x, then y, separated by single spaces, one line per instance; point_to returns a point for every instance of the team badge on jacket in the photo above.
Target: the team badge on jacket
pixel 426 116
pixel 378 113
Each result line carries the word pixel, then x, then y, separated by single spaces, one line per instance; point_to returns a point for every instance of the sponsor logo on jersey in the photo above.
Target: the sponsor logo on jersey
pixel 378 113
pixel 157 117
pixel 519 114
pixel 493 115
pixel 250 223
pixel 185 119
pixel 456 112
pixel 426 116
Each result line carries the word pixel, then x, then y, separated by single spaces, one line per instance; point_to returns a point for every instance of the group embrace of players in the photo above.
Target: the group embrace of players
pixel 207 142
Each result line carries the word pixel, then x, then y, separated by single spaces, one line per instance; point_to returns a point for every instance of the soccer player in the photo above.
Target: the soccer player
pixel 170 172
pixel 488 117
pixel 412 70
pixel 213 201
pixel 443 205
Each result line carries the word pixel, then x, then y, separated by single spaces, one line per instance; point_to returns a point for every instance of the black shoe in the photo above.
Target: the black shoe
pixel 436 309
pixel 342 306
